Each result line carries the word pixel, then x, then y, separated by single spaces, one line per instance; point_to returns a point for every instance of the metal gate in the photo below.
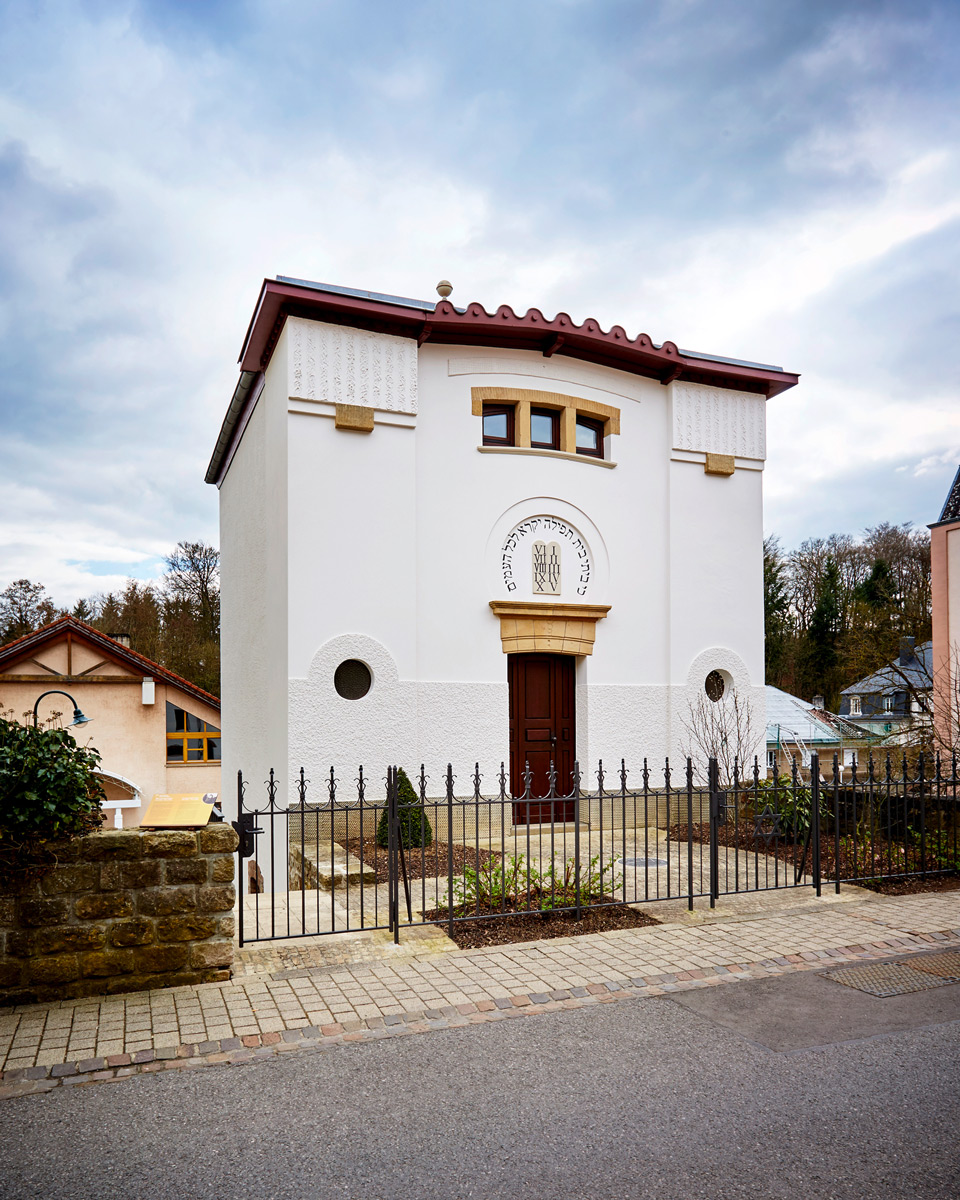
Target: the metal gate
pixel 398 853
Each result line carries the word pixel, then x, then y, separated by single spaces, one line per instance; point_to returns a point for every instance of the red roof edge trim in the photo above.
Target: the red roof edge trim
pixel 504 328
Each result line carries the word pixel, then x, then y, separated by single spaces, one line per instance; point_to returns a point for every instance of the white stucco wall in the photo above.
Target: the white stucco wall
pixel 253 622
pixel 389 547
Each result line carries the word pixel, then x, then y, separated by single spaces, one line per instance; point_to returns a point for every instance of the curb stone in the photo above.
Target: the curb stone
pixel 233 1051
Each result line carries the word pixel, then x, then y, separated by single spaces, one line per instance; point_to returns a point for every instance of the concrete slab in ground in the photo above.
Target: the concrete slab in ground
pixel 746 905
pixel 801 1011
pixel 363 946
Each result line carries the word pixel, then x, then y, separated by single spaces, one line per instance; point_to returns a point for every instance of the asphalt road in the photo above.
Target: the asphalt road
pixel 660 1098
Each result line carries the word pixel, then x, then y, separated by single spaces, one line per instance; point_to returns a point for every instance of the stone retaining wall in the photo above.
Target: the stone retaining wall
pixel 121 911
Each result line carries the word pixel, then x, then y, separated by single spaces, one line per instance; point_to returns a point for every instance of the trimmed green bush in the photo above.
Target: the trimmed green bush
pixel 47 788
pixel 415 827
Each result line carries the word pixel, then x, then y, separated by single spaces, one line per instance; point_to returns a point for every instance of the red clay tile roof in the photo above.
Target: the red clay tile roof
pixel 146 666
pixel 443 323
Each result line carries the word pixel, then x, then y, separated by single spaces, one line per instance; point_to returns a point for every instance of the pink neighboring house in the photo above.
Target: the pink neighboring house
pixel 945 579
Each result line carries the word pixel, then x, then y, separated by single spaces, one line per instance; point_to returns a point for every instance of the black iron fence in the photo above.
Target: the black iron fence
pixel 342 858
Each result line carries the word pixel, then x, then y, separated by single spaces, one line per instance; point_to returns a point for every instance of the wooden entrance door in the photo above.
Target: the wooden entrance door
pixel 542 699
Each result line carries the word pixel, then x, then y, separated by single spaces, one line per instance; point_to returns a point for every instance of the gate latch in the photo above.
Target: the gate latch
pixel 246 831
pixel 719 805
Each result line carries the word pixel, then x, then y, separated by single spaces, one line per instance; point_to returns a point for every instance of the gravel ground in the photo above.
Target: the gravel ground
pixel 632 1099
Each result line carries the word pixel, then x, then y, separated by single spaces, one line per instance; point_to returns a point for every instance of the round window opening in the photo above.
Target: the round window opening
pixel 352 679
pixel 714 686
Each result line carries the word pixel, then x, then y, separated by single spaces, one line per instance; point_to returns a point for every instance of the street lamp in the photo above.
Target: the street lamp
pixel 78 717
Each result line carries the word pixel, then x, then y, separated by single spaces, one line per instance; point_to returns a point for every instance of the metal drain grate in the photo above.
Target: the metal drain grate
pixel 946 965
pixel 900 978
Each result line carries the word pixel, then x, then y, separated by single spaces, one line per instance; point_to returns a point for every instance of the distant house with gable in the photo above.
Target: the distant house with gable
pixel 896 698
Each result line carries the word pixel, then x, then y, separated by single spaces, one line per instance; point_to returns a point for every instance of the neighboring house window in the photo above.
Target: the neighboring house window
pixel 498 425
pixel 590 437
pixel 855 709
pixel 771 760
pixel 189 739
pixel 545 428
pixel 888 704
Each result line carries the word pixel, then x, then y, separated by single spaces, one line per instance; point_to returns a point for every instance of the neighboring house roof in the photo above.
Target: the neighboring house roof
pixel 951 506
pixel 790 719
pixel 442 322
pixel 108 645
pixel 845 729
pixel 917 674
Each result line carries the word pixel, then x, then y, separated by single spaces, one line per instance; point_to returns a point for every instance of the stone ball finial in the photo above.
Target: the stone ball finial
pixel 444 288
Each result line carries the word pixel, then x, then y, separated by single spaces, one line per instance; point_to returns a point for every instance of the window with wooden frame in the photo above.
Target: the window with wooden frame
pixel 527 420
pixel 544 428
pixel 589 436
pixel 190 739
pixel 499 424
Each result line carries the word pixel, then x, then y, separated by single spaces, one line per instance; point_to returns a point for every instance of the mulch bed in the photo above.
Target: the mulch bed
pixel 743 838
pixel 429 863
pixel 912 885
pixel 532 927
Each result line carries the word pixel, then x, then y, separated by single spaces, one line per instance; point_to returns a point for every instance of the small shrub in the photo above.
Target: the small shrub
pixel 47 789
pixel 415 828
pixel 516 884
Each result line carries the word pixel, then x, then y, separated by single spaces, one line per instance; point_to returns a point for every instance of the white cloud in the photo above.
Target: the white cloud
pixel 165 178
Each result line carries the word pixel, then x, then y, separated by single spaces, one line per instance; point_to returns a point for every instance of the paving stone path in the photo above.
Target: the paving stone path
pixel 259 1014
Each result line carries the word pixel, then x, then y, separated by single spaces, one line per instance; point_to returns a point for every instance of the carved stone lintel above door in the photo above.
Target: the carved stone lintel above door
pixel 549 628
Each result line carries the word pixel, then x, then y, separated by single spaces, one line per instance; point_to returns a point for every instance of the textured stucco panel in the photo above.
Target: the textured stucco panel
pixel 352 366
pixel 719 421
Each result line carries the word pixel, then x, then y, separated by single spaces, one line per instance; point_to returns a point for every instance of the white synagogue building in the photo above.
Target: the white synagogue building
pixel 455 536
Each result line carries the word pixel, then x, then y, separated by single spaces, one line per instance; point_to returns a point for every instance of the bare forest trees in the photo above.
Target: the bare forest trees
pixel 175 622
pixel 836 608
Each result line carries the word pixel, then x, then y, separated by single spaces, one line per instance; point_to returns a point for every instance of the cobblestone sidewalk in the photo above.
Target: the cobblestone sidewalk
pixel 257 1015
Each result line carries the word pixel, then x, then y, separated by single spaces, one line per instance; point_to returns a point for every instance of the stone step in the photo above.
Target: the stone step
pixel 327 871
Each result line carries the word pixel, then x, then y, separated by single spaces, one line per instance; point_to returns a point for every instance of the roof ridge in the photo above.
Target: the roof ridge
pixel 134 657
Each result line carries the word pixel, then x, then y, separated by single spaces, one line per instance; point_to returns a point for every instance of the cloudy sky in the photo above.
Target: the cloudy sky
pixel 776 180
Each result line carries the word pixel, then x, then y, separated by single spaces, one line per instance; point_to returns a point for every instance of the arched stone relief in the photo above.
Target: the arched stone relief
pixel 546 549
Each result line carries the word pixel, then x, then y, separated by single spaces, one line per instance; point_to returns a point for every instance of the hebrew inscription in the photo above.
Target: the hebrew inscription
pixel 547 557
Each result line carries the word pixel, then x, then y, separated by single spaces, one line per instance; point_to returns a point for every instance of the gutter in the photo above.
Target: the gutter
pixel 238 403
